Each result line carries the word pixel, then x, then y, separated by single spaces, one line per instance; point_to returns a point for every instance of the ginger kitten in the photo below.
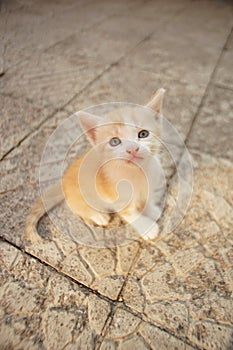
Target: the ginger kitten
pixel 120 174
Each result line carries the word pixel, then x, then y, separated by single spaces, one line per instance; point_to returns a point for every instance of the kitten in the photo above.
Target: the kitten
pixel 120 173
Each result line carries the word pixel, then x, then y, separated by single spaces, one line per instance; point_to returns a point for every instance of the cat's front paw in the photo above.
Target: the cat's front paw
pixel 100 219
pixel 151 233
pixel 153 212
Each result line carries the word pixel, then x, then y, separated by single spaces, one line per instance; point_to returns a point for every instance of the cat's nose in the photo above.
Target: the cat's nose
pixel 132 150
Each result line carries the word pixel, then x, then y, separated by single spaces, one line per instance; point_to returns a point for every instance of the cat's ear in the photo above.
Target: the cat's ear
pixel 89 123
pixel 156 102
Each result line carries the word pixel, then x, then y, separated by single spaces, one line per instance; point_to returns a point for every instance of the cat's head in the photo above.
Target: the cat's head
pixel 129 133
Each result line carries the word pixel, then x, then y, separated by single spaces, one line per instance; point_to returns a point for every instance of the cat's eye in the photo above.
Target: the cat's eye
pixel 143 133
pixel 115 141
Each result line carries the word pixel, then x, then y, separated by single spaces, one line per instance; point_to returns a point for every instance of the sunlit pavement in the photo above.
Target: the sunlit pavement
pixel 174 292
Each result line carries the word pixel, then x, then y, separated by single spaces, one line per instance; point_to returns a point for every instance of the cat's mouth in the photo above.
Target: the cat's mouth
pixel 133 159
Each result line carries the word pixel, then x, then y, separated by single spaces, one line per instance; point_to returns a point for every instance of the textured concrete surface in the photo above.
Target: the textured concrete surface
pixel 175 292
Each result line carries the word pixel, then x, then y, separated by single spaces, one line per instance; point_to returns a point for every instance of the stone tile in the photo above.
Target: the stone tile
pixel 102 260
pixel 160 10
pixel 86 47
pixel 184 276
pixel 19 118
pixel 84 258
pixel 81 16
pixel 220 210
pixel 173 315
pixel 133 294
pixel 109 286
pixel 214 120
pixel 14 208
pixel 74 267
pixel 126 29
pixel 135 342
pixel 213 178
pixel 163 54
pixel 147 258
pixel 55 306
pixel 186 260
pixel 213 307
pixel 161 283
pixel 125 255
pixel 123 324
pixel 214 175
pixel 171 243
pixel 132 332
pixel 41 21
pixel 155 336
pixel 225 66
pixel 108 345
pixel 211 336
pixel 2 63
pixel 50 80
pixel 206 277
pixel 21 166
pixel 16 25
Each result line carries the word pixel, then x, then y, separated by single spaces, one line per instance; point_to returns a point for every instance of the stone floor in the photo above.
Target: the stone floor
pixel 175 292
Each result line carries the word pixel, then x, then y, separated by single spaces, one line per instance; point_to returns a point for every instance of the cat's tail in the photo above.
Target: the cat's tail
pixel 52 197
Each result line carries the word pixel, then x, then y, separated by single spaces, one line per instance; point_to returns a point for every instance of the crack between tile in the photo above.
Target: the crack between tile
pixel 211 80
pixel 171 176
pixel 106 327
pixel 145 343
pixel 223 86
pixel 27 136
pixel 197 151
pixel 120 294
pixel 11 190
pixel 54 269
pixel 56 110
pixel 148 321
pixel 114 304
